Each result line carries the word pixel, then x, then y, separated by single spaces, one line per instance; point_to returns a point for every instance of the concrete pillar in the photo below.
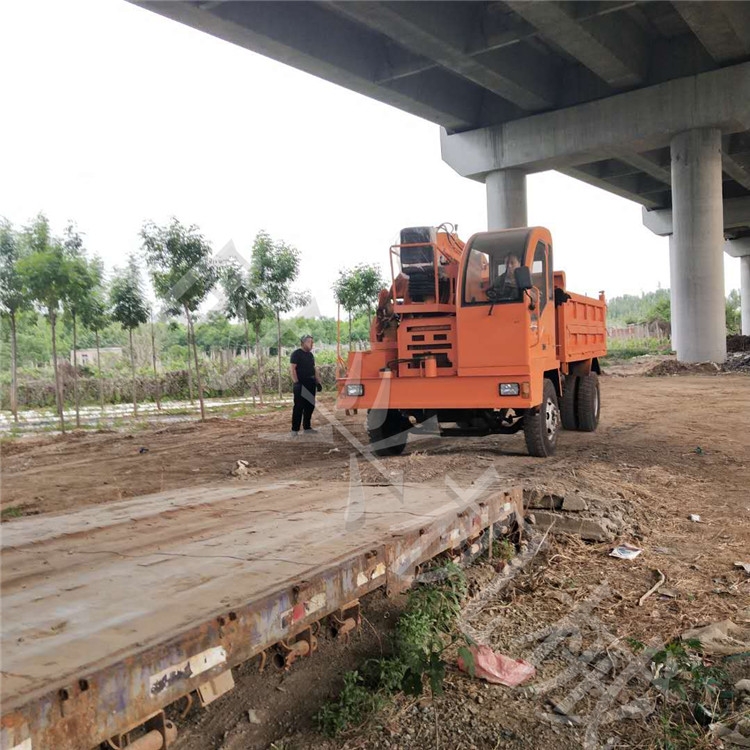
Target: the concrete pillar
pixel 673 265
pixel 506 199
pixel 745 293
pixel 698 308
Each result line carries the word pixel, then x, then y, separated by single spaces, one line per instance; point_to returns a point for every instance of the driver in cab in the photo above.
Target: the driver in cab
pixel 505 286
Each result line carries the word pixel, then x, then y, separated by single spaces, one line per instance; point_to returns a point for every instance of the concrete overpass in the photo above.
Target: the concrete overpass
pixel 648 100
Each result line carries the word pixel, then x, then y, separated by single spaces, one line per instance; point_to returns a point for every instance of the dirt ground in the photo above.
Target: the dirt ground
pixel 666 447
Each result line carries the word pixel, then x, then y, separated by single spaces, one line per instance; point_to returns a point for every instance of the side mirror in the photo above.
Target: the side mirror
pixel 523 278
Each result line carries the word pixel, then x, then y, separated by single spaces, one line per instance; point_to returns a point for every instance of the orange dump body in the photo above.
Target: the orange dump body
pixel 452 328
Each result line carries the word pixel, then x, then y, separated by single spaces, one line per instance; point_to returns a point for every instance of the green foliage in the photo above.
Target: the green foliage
pixel 700 689
pixel 631 308
pixel 244 303
pixel 356 289
pixel 733 312
pixel 44 267
pixel 129 307
pixel 423 632
pixel 354 705
pixel 179 258
pixel 13 297
pixel 274 268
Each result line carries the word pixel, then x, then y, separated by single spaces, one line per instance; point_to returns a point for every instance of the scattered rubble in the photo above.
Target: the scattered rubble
pixel 673 367
pixel 737 362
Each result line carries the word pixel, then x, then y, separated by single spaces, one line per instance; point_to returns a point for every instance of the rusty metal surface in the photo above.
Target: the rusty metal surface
pixel 107 698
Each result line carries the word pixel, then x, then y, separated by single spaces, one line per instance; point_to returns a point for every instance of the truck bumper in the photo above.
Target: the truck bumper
pixel 443 392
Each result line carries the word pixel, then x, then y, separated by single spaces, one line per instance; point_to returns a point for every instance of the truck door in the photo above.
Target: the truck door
pixel 542 318
pixel 493 331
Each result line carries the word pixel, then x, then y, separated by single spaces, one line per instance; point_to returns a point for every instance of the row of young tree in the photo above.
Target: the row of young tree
pixel 56 277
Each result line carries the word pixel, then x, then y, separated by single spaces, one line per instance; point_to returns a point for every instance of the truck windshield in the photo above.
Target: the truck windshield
pixel 491 261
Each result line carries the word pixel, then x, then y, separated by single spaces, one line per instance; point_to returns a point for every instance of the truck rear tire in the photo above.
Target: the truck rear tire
pixel 541 426
pixel 388 431
pixel 568 403
pixel 588 402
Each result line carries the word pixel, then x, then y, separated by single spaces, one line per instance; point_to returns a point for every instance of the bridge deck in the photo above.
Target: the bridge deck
pixel 112 612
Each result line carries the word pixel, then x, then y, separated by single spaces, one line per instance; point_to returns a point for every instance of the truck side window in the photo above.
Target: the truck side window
pixel 477 277
pixel 539 274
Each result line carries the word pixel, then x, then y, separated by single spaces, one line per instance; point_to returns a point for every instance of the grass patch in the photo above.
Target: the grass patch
pixel 619 349
pixel 13 511
pixel 423 633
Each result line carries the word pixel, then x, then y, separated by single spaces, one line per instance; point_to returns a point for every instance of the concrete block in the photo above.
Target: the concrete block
pixel 574 503
pixel 590 529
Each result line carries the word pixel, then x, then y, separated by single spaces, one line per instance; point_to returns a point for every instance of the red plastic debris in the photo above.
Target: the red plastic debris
pixel 497 668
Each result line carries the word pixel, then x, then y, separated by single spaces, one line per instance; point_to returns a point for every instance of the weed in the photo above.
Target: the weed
pixel 504 549
pixel 423 632
pixel 353 706
pixel 700 689
pixel 12 512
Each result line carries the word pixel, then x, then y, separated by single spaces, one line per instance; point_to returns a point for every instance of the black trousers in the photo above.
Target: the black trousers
pixel 304 404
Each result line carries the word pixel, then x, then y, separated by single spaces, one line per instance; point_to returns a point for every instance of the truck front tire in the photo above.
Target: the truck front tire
pixel 387 431
pixel 588 402
pixel 541 426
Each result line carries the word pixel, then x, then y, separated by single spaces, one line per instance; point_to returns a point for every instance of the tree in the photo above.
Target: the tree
pixel 80 282
pixel 182 272
pixel 129 308
pixel 46 271
pixel 274 268
pixel 13 299
pixel 346 295
pixel 356 290
pixel 733 312
pixel 94 315
pixel 246 305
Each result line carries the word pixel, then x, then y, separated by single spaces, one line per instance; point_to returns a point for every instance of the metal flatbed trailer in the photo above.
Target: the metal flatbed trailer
pixel 112 612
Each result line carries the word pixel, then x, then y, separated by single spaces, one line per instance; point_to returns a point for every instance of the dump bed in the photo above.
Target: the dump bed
pixel 581 324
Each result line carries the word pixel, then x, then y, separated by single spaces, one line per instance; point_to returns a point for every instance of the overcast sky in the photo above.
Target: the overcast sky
pixel 112 115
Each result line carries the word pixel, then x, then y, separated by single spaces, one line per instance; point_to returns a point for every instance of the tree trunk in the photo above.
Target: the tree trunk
pixel 132 368
pixel 156 372
pixel 13 369
pixel 199 384
pixel 259 358
pixel 350 330
pixel 189 369
pixel 247 340
pixel 75 372
pixel 58 384
pixel 278 345
pixel 99 370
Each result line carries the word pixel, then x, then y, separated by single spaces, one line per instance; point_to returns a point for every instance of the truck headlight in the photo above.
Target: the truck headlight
pixel 355 389
pixel 509 389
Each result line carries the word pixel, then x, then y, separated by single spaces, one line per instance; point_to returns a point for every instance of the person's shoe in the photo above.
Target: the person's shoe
pixel 294 434
pixel 311 431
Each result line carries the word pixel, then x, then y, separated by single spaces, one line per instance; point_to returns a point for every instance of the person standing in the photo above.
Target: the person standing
pixel 306 379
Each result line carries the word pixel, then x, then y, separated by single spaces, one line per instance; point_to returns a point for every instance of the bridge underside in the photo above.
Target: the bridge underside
pixel 598 90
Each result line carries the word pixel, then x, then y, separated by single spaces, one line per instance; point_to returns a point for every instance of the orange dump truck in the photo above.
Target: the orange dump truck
pixel 476 339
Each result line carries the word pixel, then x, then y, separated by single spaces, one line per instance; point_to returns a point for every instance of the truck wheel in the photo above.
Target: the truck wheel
pixel 387 431
pixel 568 403
pixel 542 425
pixel 588 403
